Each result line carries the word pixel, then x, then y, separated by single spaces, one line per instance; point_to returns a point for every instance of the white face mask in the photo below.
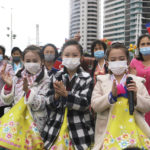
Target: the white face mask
pixel 71 63
pixel 118 67
pixel 32 68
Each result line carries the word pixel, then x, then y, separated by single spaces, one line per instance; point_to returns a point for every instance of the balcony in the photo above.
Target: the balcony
pixel 113 36
pixel 115 16
pixel 112 2
pixel 112 8
pixel 113 32
pixel 115 11
pixel 114 22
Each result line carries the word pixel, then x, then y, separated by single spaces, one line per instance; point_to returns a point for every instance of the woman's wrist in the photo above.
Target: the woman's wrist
pixel 112 99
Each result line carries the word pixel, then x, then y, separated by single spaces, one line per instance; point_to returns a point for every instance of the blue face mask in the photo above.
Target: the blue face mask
pixel 99 54
pixel 145 50
pixel 1 57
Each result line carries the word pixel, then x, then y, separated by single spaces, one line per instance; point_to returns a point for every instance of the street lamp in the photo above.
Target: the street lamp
pixel 11 35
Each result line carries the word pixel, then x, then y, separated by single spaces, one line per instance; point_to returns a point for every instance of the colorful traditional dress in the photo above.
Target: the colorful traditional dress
pixel 63 141
pixel 18 130
pixel 122 130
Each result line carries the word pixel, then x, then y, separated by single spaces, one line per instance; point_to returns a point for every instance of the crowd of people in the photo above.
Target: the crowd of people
pixel 66 101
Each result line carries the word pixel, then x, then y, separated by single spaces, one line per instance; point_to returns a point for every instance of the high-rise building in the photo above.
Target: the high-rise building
pixel 84 18
pixel 124 20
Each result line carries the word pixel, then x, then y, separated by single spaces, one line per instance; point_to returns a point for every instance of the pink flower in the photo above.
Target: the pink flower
pixel 119 138
pixel 113 116
pixel 107 132
pixel 11 123
pixel 70 143
pixel 132 141
pixel 53 147
pixel 27 141
pixel 9 135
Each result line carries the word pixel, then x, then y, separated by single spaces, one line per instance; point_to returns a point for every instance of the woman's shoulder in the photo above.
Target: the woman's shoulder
pixel 83 74
pixel 135 61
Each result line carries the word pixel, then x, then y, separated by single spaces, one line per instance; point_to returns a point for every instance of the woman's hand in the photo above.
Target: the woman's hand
pixel 60 89
pixel 6 77
pixel 114 89
pixel 132 87
pixel 25 85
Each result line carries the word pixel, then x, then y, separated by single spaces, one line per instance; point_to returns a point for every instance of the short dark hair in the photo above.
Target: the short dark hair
pixel 140 57
pixel 16 49
pixel 55 48
pixel 99 42
pixel 117 45
pixel 72 42
pixel 3 49
pixel 6 57
pixel 33 48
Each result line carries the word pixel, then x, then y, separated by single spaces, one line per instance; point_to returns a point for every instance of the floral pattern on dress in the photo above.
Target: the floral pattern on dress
pixel 122 130
pixel 63 140
pixel 18 130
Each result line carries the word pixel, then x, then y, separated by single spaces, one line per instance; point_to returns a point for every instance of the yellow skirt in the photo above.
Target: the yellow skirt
pixel 63 141
pixel 122 130
pixel 18 130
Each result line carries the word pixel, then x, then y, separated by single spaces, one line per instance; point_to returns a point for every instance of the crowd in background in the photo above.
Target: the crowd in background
pixel 68 101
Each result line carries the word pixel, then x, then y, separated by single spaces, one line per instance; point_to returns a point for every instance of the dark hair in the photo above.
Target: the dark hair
pixel 3 49
pixel 16 49
pixel 55 48
pixel 33 48
pixel 6 57
pixel 99 42
pixel 132 148
pixel 140 57
pixel 72 42
pixel 117 45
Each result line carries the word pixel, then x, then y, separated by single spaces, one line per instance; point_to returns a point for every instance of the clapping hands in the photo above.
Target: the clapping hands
pixel 60 89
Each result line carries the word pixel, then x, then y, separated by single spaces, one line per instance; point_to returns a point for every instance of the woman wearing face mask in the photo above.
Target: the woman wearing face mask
pixel 32 82
pixel 50 55
pixel 16 54
pixel 70 124
pixel 116 126
pixel 8 69
pixel 98 49
pixel 141 64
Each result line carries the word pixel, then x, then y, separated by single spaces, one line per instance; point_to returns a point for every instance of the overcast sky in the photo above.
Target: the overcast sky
pixel 51 15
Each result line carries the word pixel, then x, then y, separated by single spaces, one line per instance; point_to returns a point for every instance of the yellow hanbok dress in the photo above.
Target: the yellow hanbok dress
pixel 18 130
pixel 63 141
pixel 122 130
